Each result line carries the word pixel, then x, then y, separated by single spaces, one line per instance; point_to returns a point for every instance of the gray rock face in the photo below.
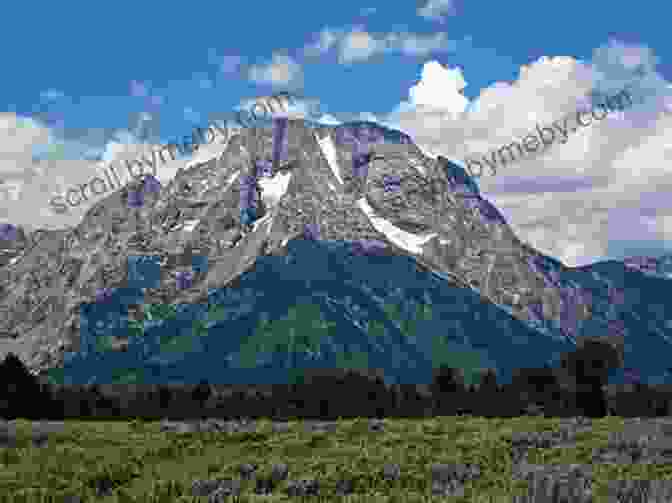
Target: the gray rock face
pixel 198 213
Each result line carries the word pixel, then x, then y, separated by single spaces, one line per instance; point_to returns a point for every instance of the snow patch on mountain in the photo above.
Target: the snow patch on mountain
pixel 190 225
pixel 329 151
pixel 232 178
pixel 406 240
pixel 274 188
pixel 266 220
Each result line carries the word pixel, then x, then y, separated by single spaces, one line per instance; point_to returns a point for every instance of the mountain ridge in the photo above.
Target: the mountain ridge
pixel 341 184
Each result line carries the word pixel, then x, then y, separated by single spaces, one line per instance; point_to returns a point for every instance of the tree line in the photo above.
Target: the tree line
pixel 576 388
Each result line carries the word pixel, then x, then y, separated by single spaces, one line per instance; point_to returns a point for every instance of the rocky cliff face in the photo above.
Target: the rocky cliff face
pixel 358 184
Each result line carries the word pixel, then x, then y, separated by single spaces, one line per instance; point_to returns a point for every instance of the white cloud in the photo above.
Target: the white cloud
pixel 327 39
pixel 357 44
pixel 18 135
pixel 282 70
pixel 436 10
pixel 27 185
pixel 296 108
pixel 582 200
pixel 306 108
pixel 441 88
pixel 328 120
pixel 368 116
pixel 418 45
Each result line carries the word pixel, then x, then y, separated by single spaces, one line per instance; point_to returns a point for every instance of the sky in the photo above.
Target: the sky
pixel 462 77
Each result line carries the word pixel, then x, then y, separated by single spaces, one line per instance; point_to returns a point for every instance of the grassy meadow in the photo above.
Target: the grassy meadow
pixel 144 463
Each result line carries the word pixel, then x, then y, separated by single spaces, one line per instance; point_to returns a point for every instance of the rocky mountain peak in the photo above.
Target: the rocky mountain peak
pixel 235 201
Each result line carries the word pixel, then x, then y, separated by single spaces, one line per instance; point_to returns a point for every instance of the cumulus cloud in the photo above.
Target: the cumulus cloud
pixel 327 39
pixel 282 70
pixel 36 165
pixel 358 45
pixel 569 199
pixel 437 10
pixel 367 116
pixel 298 107
pixel 418 45
pixel 28 198
pixel 21 138
pixel 430 91
pixel 18 136
pixel 328 120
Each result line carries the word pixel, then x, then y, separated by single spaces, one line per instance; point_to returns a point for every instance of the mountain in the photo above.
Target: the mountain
pixel 362 252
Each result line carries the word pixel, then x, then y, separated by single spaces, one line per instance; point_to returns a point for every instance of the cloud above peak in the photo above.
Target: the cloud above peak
pixel 440 87
pixel 282 70
pixel 437 10
pixel 569 200
pixel 356 44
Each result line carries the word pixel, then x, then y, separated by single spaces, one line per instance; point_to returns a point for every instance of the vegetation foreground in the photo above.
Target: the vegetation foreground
pixel 106 461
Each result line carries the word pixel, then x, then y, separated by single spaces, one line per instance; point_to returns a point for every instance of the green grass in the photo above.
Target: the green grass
pixel 153 466
pixel 150 465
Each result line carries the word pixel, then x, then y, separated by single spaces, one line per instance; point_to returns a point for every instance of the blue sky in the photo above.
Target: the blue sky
pixel 85 73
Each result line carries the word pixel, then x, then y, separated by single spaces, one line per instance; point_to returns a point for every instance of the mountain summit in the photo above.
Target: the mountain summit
pixel 310 204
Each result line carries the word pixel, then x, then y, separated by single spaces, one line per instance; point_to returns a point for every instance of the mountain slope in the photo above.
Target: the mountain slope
pixel 321 305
